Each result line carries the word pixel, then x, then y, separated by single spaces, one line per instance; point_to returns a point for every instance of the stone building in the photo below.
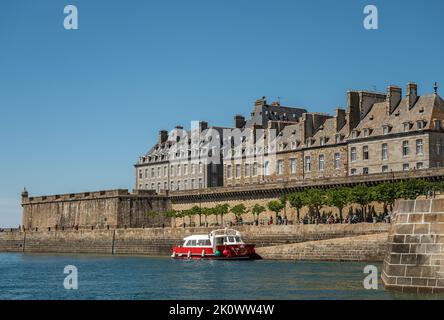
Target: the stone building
pixel 379 133
pixel 183 160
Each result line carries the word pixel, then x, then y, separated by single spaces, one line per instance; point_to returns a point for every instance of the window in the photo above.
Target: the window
pixel 353 154
pixel 405 148
pixel 146 173
pixel 293 166
pixel 437 124
pixel 159 170
pixel 406 126
pixel 152 186
pixel 419 147
pixel 322 141
pixel 178 170
pixel 267 168
pixel 193 184
pixel 255 169
pixel 385 130
pixel 385 169
pixel 172 186
pixel 405 167
pixel 384 151
pixel 238 170
pixel 178 185
pixel 338 138
pixel 152 172
pixel 185 169
pixel 229 173
pixel 419 166
pixel 366 132
pixel 200 167
pixel 354 134
pixel 365 152
pixel 420 124
pixel 165 171
pixel 247 169
pixel 321 162
pixel 293 145
pixel 308 142
pixel 200 183
pixel 165 186
pixel 337 160
pixel 364 170
pixel 353 172
pixel 193 168
pixel 307 163
pixel 140 174
pixel 438 146
pixel 172 171
pixel 280 167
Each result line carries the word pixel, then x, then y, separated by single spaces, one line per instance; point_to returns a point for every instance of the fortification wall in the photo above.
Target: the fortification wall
pixel 415 257
pixel 93 210
pixel 158 241
pixel 360 248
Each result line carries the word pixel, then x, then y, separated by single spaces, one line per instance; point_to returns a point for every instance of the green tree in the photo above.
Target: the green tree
pixel 339 198
pixel 362 195
pixel 221 210
pixel 411 189
pixel 207 212
pixel 386 193
pixel 315 200
pixel 257 210
pixel 276 206
pixel 196 210
pixel 239 210
pixel 296 201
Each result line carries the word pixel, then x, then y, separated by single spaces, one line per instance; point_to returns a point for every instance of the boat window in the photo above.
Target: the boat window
pixel 238 239
pixel 192 243
pixel 207 242
pixel 202 242
pixel 219 240
pixel 230 239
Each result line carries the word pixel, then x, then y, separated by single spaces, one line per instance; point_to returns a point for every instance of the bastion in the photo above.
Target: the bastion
pixel 108 209
pixel 415 255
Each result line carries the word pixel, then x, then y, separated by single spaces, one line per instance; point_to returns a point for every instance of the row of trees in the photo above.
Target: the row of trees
pixel 315 199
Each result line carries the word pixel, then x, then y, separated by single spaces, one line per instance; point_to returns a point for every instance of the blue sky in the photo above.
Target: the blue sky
pixel 77 108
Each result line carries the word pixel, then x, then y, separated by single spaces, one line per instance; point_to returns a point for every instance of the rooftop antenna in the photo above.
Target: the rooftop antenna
pixel 435 87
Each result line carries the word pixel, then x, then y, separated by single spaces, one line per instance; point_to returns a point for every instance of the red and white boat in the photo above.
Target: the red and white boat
pixel 226 244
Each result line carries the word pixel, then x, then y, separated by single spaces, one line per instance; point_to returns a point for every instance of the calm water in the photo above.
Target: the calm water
pixel 32 276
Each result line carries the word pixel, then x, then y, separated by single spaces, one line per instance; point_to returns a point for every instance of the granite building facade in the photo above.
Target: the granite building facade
pixel 377 133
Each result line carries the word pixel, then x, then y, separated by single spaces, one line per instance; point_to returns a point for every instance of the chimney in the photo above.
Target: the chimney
pixel 163 136
pixel 239 121
pixel 306 125
pixel 203 125
pixel 353 109
pixel 261 102
pixel 412 94
pixel 339 119
pixel 394 95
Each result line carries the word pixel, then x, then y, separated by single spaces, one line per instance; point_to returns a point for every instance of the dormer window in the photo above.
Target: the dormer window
pixel 355 133
pixel 308 142
pixel 386 129
pixel 367 132
pixel 338 138
pixel 420 124
pixel 293 145
pixel 322 141
pixel 438 124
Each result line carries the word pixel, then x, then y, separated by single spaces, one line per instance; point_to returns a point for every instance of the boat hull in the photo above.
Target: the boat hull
pixel 224 252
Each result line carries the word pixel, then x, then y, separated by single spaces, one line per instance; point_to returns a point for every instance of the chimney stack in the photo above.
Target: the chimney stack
pixel 394 95
pixel 239 121
pixel 339 119
pixel 163 136
pixel 412 93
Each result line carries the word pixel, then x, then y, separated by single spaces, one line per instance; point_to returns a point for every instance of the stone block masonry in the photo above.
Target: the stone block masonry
pixel 360 248
pixel 158 241
pixel 415 258
pixel 108 209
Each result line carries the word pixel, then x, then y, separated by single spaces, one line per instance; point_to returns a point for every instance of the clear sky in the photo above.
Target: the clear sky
pixel 78 107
